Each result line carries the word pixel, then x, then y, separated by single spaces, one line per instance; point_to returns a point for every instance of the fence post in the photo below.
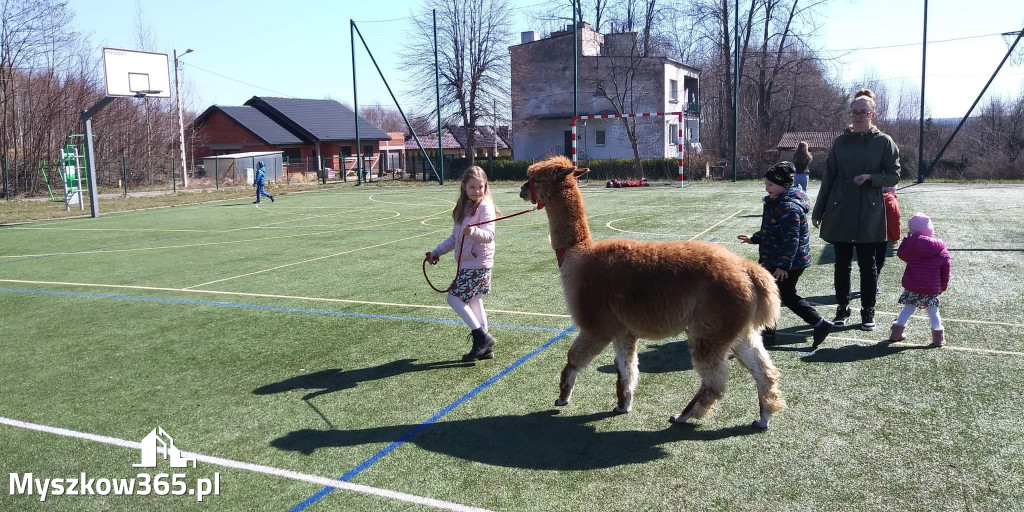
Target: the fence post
pixel 7 181
pixel 124 174
pixel 216 173
pixel 174 184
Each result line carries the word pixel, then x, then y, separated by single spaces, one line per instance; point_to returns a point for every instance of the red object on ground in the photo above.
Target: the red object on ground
pixel 642 182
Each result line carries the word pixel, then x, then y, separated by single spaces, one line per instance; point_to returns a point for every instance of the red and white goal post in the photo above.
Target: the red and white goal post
pixel 679 137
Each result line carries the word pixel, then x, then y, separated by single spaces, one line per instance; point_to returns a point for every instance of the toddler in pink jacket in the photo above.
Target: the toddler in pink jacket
pixel 925 278
pixel 475 256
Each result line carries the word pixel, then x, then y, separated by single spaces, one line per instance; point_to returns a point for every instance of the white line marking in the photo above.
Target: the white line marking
pixel 273 296
pixel 983 322
pixel 117 229
pixel 409 204
pixel 864 342
pixel 311 260
pixel 713 226
pixel 246 466
pixel 204 244
pixel 609 226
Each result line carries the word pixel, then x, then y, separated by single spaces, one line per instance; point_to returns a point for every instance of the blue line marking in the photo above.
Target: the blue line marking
pixel 712 239
pixel 414 432
pixel 267 308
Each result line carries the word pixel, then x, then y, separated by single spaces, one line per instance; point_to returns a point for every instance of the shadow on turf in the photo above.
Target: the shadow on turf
pixel 833 352
pixel 545 440
pixel 336 379
pixel 661 358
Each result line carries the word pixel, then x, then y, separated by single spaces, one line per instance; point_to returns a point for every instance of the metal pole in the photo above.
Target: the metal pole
pixel 124 173
pixel 174 180
pixel 216 173
pixel 90 159
pixel 494 136
pixel 736 91
pixel 437 91
pixel 355 103
pixel 575 66
pixel 388 86
pixel 920 119
pixel 181 123
pixel 7 182
pixel 920 177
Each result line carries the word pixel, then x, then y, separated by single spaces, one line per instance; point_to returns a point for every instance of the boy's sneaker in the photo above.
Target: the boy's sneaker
pixel 842 315
pixel 867 319
pixel 821 331
pixel 271 199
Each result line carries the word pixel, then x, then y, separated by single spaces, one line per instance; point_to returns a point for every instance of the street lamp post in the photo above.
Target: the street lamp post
pixel 181 122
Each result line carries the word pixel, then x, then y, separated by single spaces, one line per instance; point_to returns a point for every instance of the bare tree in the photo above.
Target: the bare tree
pixel 387 119
pixel 473 36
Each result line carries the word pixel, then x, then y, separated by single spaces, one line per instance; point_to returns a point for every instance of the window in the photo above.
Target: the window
pixel 599 137
pixel 367 150
pixel 673 133
pixel 291 154
pixel 346 151
pixel 673 91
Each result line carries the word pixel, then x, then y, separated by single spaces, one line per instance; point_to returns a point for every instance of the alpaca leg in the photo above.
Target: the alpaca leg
pixel 709 362
pixel 755 359
pixel 582 351
pixel 626 369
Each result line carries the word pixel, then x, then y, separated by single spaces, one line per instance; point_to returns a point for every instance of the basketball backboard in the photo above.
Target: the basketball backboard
pixel 135 73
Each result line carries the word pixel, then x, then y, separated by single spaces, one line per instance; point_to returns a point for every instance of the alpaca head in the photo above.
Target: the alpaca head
pixel 547 177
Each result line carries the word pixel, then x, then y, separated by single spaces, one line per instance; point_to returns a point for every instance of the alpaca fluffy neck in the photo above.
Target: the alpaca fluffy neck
pixel 567 219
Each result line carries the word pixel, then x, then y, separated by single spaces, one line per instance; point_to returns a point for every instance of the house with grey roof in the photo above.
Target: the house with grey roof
pixel 486 144
pixel 819 144
pixel 316 133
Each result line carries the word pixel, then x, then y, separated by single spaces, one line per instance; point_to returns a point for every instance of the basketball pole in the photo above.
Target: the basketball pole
pixel 90 167
pixel 181 122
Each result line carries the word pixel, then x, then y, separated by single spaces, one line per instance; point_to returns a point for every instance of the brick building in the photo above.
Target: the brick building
pixel 312 134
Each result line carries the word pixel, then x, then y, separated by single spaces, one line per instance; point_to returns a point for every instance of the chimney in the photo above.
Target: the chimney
pixel 529 37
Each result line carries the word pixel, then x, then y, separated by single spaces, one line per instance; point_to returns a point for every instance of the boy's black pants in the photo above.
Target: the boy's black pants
pixel 793 301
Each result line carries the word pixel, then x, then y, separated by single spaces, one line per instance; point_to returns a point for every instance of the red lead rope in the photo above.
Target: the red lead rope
pixel 458 265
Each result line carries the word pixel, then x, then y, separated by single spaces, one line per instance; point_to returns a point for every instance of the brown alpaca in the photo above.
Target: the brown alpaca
pixel 621 290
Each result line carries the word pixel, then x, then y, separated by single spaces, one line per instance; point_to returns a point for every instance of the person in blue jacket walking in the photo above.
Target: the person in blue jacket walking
pixel 260 182
pixel 783 246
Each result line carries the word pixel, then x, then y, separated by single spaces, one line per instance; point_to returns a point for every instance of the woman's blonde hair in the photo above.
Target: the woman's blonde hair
pixel 866 95
pixel 802 154
pixel 464 205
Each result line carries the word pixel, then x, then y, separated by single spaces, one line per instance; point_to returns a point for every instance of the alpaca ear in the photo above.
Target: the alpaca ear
pixel 560 175
pixel 573 171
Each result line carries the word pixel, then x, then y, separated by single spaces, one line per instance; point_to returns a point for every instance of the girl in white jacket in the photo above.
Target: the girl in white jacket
pixel 477 257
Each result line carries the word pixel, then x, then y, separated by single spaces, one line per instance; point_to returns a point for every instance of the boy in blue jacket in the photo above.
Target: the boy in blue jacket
pixel 784 246
pixel 260 181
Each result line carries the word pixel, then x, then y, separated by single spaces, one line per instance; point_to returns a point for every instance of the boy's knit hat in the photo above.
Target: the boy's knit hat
pixel 781 174
pixel 920 224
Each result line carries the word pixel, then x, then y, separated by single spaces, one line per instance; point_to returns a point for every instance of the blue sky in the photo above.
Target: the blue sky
pixel 301 48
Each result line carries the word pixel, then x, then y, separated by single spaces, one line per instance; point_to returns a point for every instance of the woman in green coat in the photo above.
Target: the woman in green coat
pixel 849 208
